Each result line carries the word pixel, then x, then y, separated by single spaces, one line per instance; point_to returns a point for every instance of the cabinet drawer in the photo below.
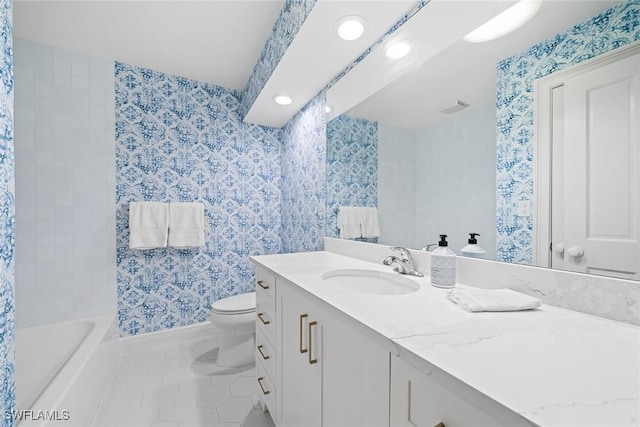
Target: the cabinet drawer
pixel 265 354
pixel 266 283
pixel 265 305
pixel 267 391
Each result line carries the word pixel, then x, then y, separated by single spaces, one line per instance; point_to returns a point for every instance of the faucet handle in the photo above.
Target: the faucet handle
pixel 404 253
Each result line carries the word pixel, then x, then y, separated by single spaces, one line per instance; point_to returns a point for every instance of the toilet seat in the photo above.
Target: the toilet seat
pixel 238 304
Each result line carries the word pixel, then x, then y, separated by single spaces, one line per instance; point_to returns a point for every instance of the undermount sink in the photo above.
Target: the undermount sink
pixel 371 282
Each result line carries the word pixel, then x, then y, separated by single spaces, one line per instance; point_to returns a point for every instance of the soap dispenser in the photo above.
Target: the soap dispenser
pixel 443 265
pixel 473 250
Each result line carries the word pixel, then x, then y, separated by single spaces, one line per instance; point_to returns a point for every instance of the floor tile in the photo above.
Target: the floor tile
pixel 235 409
pixel 200 417
pixel 167 383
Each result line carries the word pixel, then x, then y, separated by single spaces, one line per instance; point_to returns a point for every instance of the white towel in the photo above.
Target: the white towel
pixel 148 225
pixel 370 225
pixel 186 225
pixel 475 299
pixel 350 222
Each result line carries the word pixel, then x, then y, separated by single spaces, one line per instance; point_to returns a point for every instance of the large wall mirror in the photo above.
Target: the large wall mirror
pixel 448 146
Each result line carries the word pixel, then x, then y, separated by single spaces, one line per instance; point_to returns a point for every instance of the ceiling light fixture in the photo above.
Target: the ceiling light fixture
pixel 350 27
pixel 399 49
pixel 506 22
pixel 282 99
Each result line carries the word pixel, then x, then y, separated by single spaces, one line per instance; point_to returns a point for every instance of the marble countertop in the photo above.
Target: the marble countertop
pixel 553 366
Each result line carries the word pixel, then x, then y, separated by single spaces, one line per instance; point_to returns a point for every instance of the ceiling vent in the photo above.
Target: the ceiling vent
pixel 453 107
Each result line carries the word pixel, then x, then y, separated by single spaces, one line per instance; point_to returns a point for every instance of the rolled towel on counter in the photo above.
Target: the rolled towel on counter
pixel 475 299
pixel 186 225
pixel 148 225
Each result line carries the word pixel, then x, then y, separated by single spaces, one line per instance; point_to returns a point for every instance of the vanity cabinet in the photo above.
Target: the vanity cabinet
pixel 331 374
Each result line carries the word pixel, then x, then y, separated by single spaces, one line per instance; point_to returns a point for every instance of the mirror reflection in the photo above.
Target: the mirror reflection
pixel 448 148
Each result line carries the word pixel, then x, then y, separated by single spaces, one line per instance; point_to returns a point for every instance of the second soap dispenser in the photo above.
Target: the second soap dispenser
pixel 443 265
pixel 473 250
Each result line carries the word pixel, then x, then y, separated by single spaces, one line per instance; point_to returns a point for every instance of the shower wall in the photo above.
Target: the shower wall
pixel 65 185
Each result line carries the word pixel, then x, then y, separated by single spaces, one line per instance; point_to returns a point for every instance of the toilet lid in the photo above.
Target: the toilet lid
pixel 237 304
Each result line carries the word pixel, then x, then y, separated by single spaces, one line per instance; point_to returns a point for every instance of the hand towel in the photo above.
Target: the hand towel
pixel 148 225
pixel 370 225
pixel 475 299
pixel 186 225
pixel 350 222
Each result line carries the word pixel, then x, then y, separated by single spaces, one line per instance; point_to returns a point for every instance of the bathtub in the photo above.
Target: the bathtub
pixel 61 370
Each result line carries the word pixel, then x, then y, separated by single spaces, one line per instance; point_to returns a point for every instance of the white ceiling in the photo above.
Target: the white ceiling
pixel 464 71
pixel 218 42
pixel 317 55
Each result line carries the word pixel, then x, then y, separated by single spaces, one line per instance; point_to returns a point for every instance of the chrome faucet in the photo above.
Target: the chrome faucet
pixel 428 247
pixel 402 264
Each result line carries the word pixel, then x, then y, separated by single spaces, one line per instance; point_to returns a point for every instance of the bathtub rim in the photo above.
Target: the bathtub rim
pixel 61 383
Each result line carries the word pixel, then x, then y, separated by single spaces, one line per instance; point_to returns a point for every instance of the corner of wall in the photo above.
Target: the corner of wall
pixel 7 219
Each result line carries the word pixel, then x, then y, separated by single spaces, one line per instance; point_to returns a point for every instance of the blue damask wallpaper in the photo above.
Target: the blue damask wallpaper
pixel 286 27
pixel 609 30
pixel 182 140
pixel 7 218
pixel 304 145
pixel 352 166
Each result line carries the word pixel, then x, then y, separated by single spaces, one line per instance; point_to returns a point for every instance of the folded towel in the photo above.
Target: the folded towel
pixel 350 222
pixel 370 225
pixel 148 225
pixel 474 299
pixel 186 225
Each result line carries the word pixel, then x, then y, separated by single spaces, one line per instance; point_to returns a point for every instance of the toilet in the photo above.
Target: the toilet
pixel 236 316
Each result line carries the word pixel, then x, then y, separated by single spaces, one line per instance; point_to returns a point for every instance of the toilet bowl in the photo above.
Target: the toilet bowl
pixel 236 316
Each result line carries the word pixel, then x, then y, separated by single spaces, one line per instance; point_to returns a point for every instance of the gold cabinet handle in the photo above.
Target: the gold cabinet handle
pixel 262 285
pixel 440 425
pixel 265 392
pixel 311 361
pixel 264 356
pixel 266 322
pixel 302 317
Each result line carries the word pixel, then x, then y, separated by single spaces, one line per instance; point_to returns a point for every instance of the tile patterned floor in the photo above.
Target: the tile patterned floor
pixel 169 383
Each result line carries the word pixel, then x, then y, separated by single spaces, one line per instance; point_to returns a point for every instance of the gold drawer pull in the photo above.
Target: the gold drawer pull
pixel 264 356
pixel 265 392
pixel 266 322
pixel 302 317
pixel 311 361
pixel 440 425
pixel 265 287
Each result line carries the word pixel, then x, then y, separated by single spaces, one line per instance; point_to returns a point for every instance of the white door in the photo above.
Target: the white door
pixel 601 158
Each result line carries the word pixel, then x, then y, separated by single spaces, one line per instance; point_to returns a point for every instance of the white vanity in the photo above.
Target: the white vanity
pixel 333 357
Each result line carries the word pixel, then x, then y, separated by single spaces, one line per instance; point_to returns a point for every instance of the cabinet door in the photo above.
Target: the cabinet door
pixel 420 400
pixel 301 349
pixel 355 378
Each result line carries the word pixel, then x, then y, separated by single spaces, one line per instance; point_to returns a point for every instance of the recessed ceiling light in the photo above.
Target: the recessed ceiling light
pixel 327 109
pixel 282 99
pixel 399 49
pixel 350 27
pixel 506 22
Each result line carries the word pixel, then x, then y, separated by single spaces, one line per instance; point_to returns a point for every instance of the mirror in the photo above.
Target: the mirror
pixel 432 173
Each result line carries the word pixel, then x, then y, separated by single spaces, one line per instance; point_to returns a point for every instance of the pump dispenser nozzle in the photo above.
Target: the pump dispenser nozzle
pixel 443 240
pixel 472 238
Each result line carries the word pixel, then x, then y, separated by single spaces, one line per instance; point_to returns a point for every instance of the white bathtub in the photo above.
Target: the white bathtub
pixel 61 370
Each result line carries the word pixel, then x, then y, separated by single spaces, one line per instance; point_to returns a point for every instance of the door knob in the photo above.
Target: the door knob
pixel 559 247
pixel 575 251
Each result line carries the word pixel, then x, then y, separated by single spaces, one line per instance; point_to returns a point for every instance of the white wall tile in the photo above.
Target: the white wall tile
pixel 65 179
